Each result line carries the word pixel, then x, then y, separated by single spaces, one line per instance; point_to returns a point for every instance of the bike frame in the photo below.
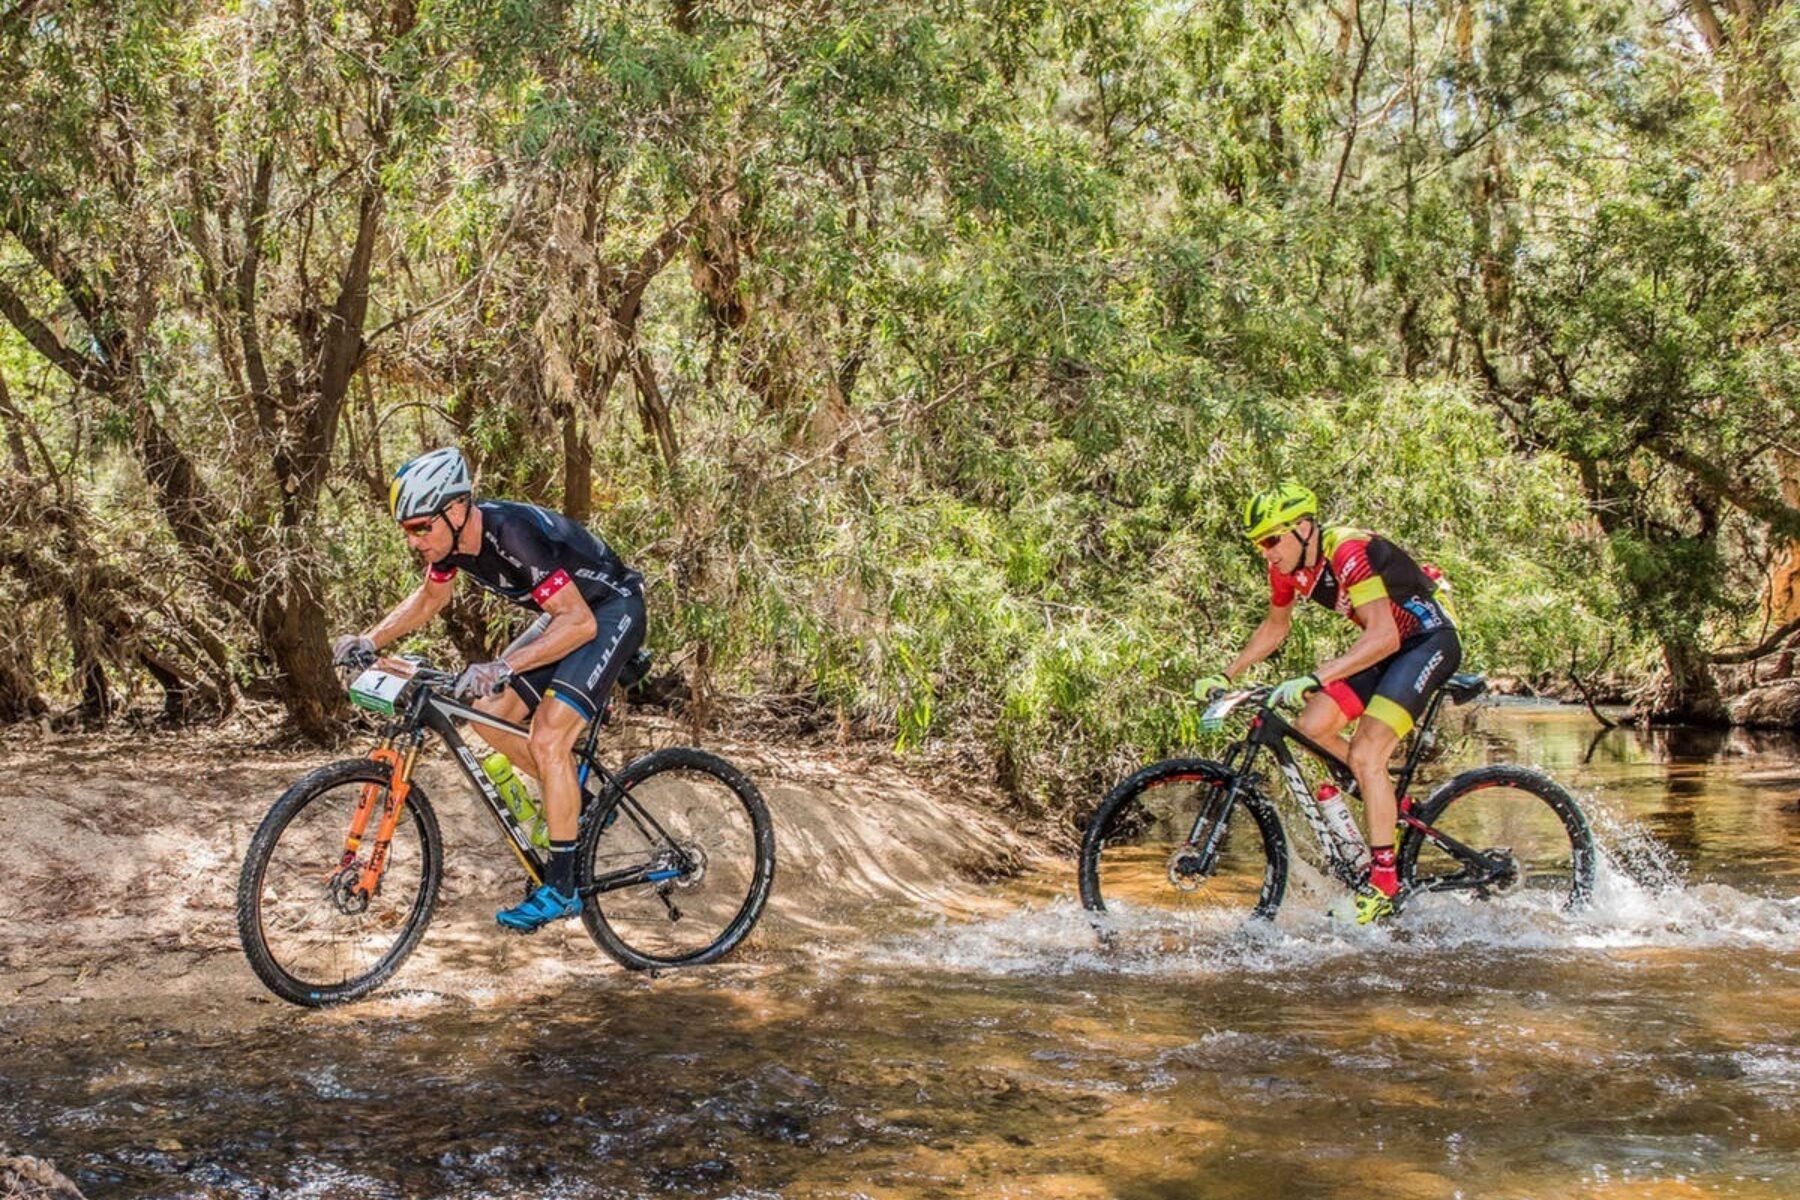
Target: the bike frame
pixel 1271 732
pixel 428 710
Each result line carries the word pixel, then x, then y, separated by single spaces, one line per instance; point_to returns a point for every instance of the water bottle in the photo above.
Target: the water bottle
pixel 1343 826
pixel 512 789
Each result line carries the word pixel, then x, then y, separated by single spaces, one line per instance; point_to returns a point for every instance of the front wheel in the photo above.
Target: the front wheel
pixel 677 865
pixel 1501 830
pixel 309 934
pixel 1137 854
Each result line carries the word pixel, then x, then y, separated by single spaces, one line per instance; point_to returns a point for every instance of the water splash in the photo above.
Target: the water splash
pixel 1643 898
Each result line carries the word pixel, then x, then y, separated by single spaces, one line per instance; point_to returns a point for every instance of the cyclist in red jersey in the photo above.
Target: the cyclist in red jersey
pixel 1407 648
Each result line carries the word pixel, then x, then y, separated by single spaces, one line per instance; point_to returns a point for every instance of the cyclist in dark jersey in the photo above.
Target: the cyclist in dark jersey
pixel 591 621
pixel 1407 649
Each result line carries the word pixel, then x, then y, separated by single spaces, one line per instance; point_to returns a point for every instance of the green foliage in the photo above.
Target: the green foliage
pixel 924 353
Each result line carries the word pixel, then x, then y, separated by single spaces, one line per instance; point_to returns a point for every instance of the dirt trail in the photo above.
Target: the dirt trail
pixel 121 859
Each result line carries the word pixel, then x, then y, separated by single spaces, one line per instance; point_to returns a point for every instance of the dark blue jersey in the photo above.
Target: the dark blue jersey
pixel 528 554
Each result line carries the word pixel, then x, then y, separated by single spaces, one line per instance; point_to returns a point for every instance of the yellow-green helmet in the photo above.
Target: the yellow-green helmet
pixel 1274 510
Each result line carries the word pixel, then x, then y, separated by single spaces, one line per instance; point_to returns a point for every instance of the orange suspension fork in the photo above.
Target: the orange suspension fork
pixel 365 804
pixel 398 787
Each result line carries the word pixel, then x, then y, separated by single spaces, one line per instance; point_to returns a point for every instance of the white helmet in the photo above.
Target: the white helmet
pixel 422 487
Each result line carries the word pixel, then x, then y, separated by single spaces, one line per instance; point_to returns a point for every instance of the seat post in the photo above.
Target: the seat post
pixel 1420 730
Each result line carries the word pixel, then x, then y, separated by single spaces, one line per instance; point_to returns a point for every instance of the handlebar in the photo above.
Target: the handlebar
pixel 1258 694
pixel 1221 704
pixel 415 669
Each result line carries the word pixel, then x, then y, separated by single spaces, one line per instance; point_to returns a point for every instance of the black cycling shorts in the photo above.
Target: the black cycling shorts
pixel 1395 690
pixel 585 678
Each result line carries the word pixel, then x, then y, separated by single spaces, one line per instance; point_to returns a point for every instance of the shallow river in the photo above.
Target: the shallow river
pixel 1644 1048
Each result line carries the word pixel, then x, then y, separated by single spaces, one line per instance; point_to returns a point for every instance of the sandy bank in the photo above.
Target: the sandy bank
pixel 122 854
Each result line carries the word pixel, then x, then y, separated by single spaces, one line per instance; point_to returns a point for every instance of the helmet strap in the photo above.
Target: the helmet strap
pixel 456 531
pixel 1308 543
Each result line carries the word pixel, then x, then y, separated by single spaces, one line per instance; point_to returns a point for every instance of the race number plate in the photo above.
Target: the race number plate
pixel 377 691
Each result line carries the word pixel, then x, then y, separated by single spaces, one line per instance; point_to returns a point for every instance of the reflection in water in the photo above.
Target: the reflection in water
pixel 1644 1047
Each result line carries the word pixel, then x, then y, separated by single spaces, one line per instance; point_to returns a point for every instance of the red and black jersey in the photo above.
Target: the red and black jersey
pixel 1356 567
pixel 528 554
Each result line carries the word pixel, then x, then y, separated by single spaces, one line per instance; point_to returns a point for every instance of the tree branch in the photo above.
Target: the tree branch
pixel 1767 646
pixel 85 371
pixel 1708 23
pixel 1781 518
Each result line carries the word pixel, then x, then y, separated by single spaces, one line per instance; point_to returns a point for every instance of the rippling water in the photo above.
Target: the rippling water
pixel 1645 1047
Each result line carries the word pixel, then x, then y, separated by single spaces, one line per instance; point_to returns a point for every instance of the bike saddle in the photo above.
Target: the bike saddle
pixel 1463 688
pixel 637 669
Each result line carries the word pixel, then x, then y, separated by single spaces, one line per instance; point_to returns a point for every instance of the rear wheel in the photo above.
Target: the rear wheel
pixel 309 935
pixel 683 861
pixel 1135 856
pixel 1532 835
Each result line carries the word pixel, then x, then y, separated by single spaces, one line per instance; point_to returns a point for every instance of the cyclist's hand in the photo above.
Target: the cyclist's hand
pixel 482 679
pixel 351 648
pixel 1204 688
pixel 1292 693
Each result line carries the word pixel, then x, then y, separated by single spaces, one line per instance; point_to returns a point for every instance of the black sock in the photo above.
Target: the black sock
pixel 562 867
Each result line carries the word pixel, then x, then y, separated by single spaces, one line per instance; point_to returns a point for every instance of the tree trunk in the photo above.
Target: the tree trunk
pixel 578 471
pixel 468 627
pixel 19 698
pixel 292 625
pixel 1686 693
pixel 1783 600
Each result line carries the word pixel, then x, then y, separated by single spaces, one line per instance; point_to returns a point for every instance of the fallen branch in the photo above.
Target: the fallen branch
pixel 1587 693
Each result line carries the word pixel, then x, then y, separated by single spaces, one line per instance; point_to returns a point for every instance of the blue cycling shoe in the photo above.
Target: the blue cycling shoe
pixel 540 908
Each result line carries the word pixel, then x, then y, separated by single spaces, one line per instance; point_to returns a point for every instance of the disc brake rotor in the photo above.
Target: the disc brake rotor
pixel 1187 870
pixel 1511 876
pixel 344 893
pixel 696 866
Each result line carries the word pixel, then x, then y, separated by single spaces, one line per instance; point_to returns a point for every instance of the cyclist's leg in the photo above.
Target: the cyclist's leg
pixel 1407 681
pixel 1323 722
pixel 554 730
pixel 577 688
pixel 1334 706
pixel 571 697
pixel 509 705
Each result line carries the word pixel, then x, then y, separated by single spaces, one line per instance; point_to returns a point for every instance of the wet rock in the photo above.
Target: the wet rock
pixel 27 1178
pixel 1776 706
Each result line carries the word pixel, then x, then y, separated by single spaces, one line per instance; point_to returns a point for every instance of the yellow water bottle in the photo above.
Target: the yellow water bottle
pixel 518 798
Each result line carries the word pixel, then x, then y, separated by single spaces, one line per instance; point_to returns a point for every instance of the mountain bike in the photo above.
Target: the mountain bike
pixel 1194 836
pixel 674 862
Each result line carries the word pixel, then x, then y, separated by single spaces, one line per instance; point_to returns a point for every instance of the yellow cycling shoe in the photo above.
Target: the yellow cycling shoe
pixel 1365 905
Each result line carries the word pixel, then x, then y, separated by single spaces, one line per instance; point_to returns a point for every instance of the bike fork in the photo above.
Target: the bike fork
pixel 365 804
pixel 399 784
pixel 1215 813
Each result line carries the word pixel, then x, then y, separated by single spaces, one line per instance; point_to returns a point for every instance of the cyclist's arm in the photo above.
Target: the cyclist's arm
pixel 530 634
pixel 571 625
pixel 426 602
pixel 1265 641
pixel 1380 638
